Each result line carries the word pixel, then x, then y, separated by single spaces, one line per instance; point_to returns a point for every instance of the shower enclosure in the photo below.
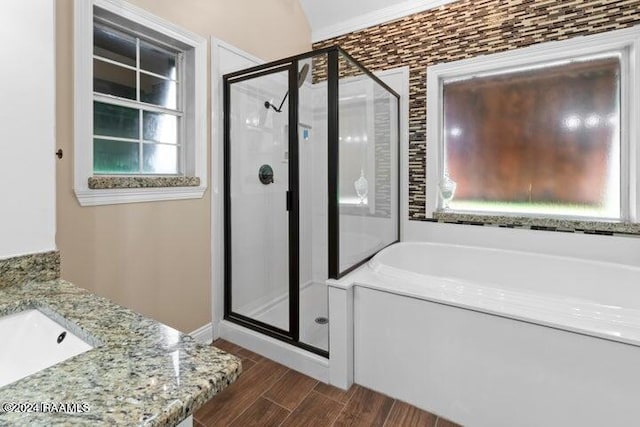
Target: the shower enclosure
pixel 311 188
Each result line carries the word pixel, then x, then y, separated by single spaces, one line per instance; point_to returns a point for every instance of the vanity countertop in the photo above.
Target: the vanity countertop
pixel 141 372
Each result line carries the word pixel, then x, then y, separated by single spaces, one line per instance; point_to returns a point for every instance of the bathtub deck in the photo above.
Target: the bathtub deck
pixel 269 394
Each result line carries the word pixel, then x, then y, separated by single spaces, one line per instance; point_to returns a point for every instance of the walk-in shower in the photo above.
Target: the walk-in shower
pixel 311 188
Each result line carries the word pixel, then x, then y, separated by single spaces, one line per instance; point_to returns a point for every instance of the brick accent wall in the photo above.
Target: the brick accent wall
pixel 465 29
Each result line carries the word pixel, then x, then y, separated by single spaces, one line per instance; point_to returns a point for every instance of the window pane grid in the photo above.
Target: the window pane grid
pixel 162 136
pixel 155 44
pixel 114 100
pixel 138 67
pixel 159 76
pixel 114 62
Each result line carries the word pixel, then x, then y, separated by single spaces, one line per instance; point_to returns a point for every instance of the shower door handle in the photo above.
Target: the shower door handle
pixel 289 199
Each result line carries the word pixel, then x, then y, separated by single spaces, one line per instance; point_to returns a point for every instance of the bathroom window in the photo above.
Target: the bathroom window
pixel 539 131
pixel 140 107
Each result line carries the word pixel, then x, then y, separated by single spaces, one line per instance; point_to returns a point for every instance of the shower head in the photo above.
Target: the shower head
pixel 302 76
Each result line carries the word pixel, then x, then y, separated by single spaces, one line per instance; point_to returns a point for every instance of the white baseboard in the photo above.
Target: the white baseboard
pixel 187 422
pixel 204 334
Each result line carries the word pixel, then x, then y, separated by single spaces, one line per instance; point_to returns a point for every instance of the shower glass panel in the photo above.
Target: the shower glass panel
pixel 368 193
pixel 258 184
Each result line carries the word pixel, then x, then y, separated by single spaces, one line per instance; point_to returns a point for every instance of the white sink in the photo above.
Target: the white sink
pixel 31 342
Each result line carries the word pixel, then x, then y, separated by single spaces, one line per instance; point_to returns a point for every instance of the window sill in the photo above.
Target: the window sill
pixel 111 182
pixel 539 223
pixel 120 190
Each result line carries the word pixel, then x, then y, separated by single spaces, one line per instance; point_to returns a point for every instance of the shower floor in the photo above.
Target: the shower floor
pixel 313 305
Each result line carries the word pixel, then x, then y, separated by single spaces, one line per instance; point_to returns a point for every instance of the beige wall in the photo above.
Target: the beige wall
pixel 155 257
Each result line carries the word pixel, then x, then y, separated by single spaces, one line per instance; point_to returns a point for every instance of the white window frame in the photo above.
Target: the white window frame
pixel 195 144
pixel 626 41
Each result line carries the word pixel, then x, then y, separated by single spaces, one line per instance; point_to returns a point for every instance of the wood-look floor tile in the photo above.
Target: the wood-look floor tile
pixel 227 346
pixel 405 415
pixel 197 423
pixel 291 389
pixel 446 423
pixel 335 393
pixel 365 408
pixel 315 410
pixel 225 407
pixel 247 364
pixel 261 414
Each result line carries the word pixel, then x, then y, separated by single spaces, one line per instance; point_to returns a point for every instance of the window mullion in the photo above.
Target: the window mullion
pixel 129 103
pixel 112 62
pixel 140 113
pixel 182 131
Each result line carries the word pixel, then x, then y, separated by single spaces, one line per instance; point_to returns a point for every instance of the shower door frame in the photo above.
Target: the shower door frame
pixel 333 256
pixel 291 336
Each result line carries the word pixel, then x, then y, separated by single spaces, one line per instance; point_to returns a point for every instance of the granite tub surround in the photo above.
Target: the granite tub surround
pixel 140 373
pixel 112 182
pixel 540 223
pixel 39 267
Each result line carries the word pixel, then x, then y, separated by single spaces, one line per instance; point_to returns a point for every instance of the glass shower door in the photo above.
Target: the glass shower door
pixel 259 211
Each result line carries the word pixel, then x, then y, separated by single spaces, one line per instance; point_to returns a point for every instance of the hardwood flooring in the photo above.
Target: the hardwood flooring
pixel 269 394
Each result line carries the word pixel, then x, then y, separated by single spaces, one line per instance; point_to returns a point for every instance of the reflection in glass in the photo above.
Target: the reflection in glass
pixel 157 91
pixel 362 187
pixel 447 189
pixel 112 44
pixel 368 173
pixel 542 141
pixel 115 157
pixel 354 143
pixel 160 127
pixel 113 120
pixel 157 61
pixel 115 80
pixel 159 159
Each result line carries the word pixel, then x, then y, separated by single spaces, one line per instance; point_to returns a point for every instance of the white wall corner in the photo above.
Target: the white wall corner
pixel 204 334
pixel 28 85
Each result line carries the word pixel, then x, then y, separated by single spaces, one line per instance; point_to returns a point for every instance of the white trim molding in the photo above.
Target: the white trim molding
pixel 195 151
pixel 375 17
pixel 625 42
pixel 204 334
pixel 398 80
pixel 225 58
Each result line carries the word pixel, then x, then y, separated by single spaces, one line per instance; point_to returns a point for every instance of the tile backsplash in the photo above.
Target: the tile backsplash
pixel 38 267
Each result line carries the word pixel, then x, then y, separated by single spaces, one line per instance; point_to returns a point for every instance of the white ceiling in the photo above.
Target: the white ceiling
pixel 330 18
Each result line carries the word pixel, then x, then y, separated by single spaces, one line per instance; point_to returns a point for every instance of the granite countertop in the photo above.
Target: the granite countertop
pixel 140 372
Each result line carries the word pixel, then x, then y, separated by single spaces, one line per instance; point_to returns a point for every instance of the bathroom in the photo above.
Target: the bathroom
pixel 290 212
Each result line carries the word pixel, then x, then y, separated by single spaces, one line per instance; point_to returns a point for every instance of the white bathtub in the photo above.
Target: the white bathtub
pixel 599 299
pixel 492 337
